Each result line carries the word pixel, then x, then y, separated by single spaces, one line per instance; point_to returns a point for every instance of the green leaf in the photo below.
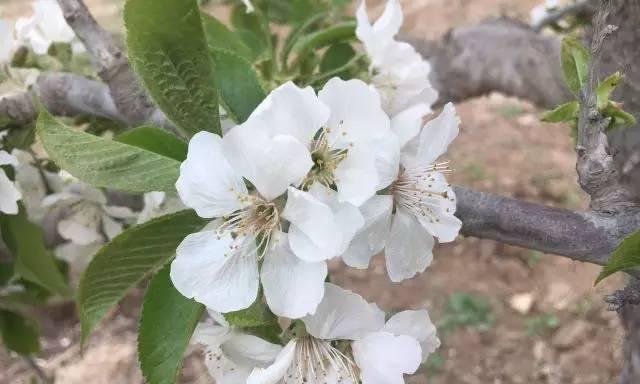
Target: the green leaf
pixel 626 256
pixel 19 334
pixel 168 50
pixel 607 87
pixel 106 163
pixel 155 140
pixel 254 31
pixel 133 255
pixel 297 33
pixel 339 32
pixel 575 63
pixel 257 315
pixel 220 37
pixel 337 56
pixel 564 112
pixel 240 89
pixel 167 322
pixel 619 118
pixel 34 262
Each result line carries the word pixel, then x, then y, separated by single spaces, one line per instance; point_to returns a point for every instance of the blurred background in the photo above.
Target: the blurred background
pixel 505 315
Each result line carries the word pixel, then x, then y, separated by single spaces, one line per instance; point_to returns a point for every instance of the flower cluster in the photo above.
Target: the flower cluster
pixel 45 27
pixel 347 172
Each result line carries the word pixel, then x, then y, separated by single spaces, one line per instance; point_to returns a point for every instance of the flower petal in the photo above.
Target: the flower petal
pixel 387 159
pixel 343 315
pixel 83 225
pixel 291 111
pixel 409 247
pixel 406 124
pixel 434 139
pixel 217 270
pixel 271 164
pixel 442 206
pixel 384 358
pixel 276 371
pixel 418 325
pixel 376 36
pixel 207 182
pixel 356 113
pixel 357 176
pixel 250 350
pixel 293 288
pixel 321 227
pixel 370 239
pixel 8 159
pixel 9 195
pixel 111 227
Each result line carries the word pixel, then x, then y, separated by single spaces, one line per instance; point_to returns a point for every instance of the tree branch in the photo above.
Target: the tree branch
pixel 62 94
pixel 497 55
pixel 582 236
pixel 128 95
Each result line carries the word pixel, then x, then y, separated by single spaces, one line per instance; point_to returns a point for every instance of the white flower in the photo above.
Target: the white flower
pixel 231 355
pixel 349 342
pixel 541 11
pixel 293 138
pixel 423 201
pixel 9 193
pixel 8 43
pixel 400 73
pixel 158 204
pixel 247 3
pixel 89 218
pixel 46 26
pixel 219 266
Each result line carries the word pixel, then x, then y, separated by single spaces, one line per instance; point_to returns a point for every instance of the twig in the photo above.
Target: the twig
pixel 37 370
pixel 620 298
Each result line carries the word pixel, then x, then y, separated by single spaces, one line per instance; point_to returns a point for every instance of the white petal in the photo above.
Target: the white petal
pixel 119 212
pixel 371 238
pixel 9 195
pixel 8 42
pixel 276 371
pixel 418 325
pixel 409 247
pixel 389 23
pixel 7 159
pixel 343 315
pixel 78 256
pixel 321 227
pixel 210 335
pixel 356 112
pixel 216 270
pixel 51 22
pixel 384 358
pixel 434 139
pixel 406 124
pixel 207 182
pixel 248 5
pixel 292 111
pixel 293 288
pixel 271 164
pixel 111 227
pixel 387 160
pixel 83 225
pixel 250 350
pixel 312 226
pixel 357 176
pixel 445 226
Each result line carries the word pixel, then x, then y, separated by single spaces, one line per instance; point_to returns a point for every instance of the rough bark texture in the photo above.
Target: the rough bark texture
pixel 497 55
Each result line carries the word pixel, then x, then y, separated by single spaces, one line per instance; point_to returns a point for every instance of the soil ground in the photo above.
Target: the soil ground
pixel 506 315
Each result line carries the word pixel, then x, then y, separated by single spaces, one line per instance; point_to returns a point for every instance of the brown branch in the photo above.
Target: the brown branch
pixel 62 94
pixel 130 98
pixel 497 55
pixel 582 236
